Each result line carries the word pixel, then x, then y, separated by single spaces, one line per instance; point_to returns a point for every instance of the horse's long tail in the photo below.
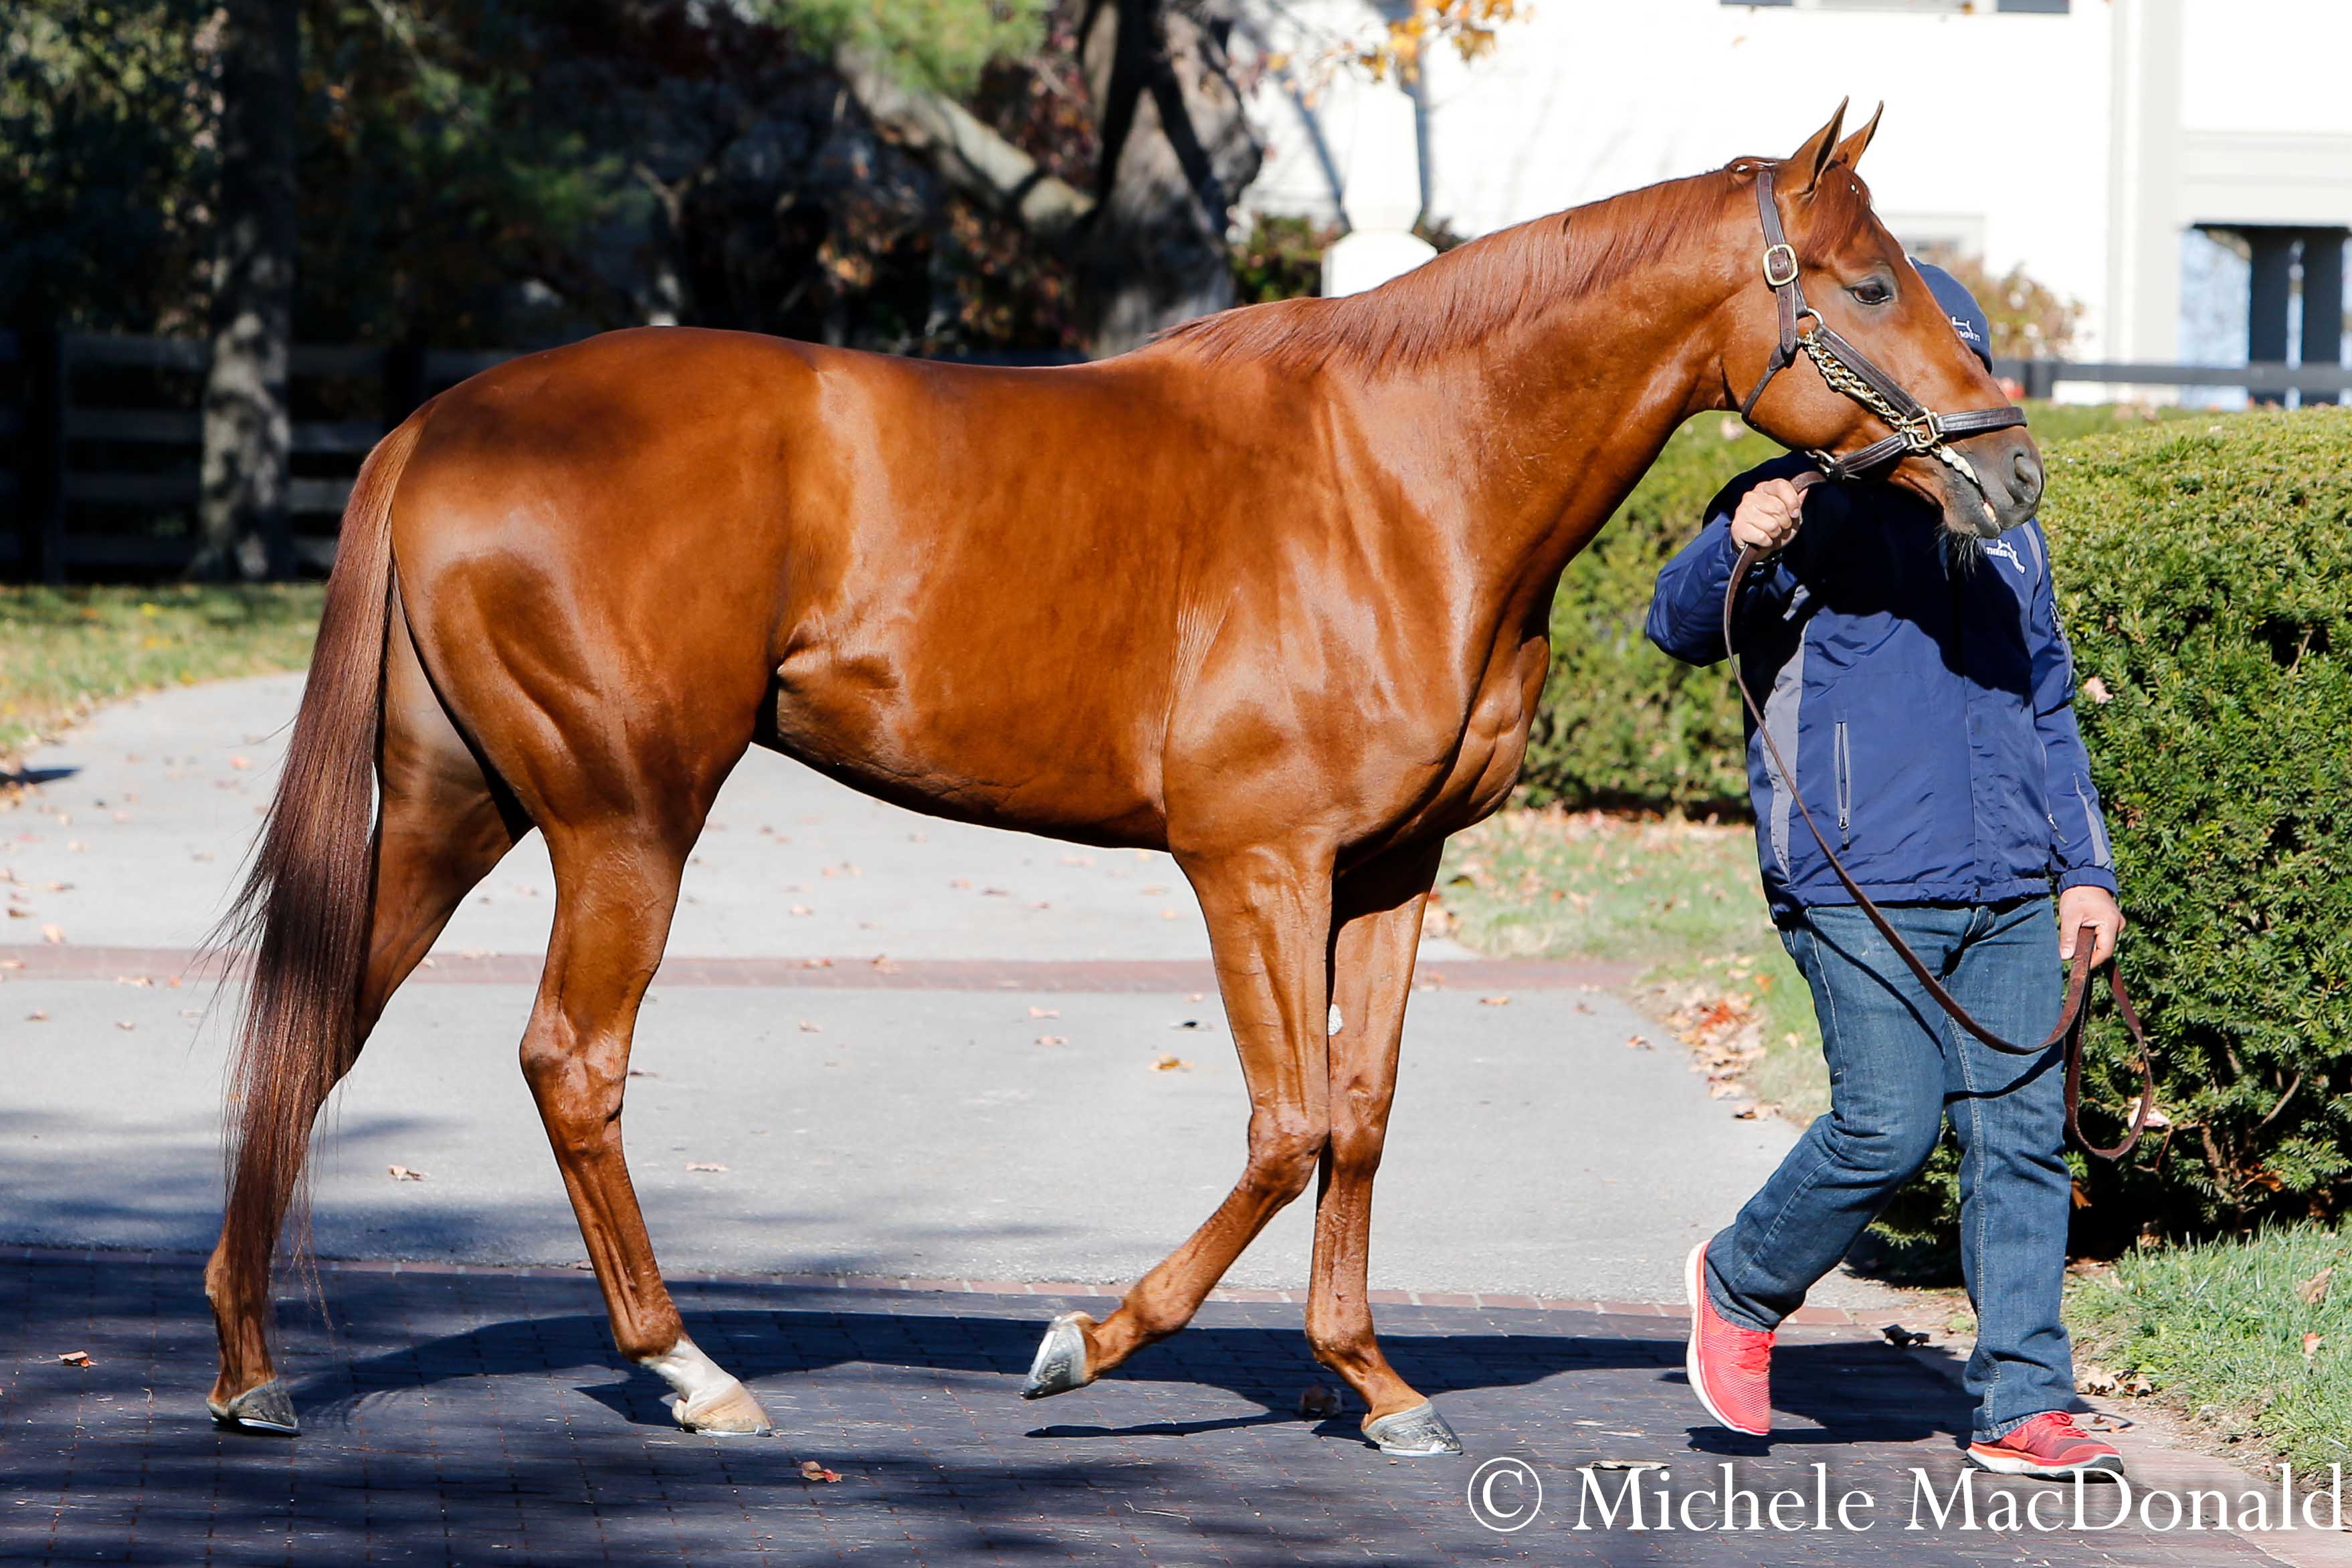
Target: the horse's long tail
pixel 303 912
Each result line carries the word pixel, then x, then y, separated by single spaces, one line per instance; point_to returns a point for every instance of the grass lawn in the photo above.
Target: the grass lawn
pixel 1681 897
pixel 64 650
pixel 2251 1339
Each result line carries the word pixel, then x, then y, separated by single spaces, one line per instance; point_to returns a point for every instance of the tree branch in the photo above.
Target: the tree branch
pixel 966 152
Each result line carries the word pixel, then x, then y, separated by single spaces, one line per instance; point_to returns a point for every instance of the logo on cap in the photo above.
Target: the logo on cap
pixel 1966 328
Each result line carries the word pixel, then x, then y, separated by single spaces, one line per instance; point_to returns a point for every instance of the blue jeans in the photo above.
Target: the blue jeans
pixel 1897 1066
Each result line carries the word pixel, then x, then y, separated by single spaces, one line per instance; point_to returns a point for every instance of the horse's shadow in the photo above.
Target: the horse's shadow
pixel 1265 1366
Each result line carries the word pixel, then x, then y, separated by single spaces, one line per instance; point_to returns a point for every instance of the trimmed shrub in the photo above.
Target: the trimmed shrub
pixel 2205 578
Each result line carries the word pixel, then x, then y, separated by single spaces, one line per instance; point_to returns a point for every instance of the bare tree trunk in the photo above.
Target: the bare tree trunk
pixel 248 434
pixel 1177 151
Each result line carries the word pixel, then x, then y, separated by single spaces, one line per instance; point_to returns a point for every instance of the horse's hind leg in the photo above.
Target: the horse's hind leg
pixel 1378 922
pixel 1269 918
pixel 439 831
pixel 617 888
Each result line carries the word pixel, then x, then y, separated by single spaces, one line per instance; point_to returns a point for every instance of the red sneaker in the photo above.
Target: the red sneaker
pixel 1731 1367
pixel 2051 1446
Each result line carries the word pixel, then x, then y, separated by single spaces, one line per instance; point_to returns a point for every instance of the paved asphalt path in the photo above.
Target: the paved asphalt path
pixel 478 1418
pixel 984 1103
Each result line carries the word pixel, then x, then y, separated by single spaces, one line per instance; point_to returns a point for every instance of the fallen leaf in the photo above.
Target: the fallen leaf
pixel 1494 1000
pixel 1746 1113
pixel 1172 1064
pixel 2311 1344
pixel 240 764
pixel 799 909
pixel 813 1471
pixel 36 1017
pixel 1053 1040
pixel 75 1358
pixel 883 965
pixel 54 936
pixel 2096 690
pixel 642 1072
pixel 1638 1043
pixel 811 1026
pixel 125 1024
pixel 1044 1012
pixel 1903 1339
pixel 1168 915
pixel 1317 1402
pixel 2314 1291
pixel 704 1165
pixel 403 1173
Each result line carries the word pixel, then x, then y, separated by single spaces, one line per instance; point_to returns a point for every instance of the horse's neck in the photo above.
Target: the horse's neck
pixel 1557 421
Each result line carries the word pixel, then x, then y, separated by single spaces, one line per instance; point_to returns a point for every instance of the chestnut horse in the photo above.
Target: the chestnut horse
pixel 1270 593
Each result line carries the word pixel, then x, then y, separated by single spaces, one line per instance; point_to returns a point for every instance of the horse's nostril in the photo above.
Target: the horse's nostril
pixel 2028 475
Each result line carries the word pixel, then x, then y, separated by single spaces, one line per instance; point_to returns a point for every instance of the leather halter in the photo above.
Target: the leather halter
pixel 2069 1029
pixel 1917 430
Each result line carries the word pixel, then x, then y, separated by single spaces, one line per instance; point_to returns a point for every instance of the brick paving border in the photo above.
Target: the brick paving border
pixel 1804 1316
pixel 867 973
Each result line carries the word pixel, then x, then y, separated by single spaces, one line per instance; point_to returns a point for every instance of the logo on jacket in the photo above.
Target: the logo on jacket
pixel 2007 552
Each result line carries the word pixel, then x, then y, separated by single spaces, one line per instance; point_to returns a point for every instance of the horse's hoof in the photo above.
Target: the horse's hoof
pixel 1417 1433
pixel 1060 1363
pixel 264 1407
pixel 729 1412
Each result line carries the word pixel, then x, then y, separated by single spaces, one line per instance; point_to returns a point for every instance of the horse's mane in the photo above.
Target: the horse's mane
pixel 1459 297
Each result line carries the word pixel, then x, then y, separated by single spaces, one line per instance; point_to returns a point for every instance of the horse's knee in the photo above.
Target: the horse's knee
pixel 1283 1157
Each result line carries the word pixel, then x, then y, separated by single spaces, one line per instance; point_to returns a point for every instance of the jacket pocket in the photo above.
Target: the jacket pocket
pixel 1845 768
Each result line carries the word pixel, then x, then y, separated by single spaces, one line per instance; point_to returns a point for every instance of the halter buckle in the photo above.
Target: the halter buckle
pixel 1785 255
pixel 1924 431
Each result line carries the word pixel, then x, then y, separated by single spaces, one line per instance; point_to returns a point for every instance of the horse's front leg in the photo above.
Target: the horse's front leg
pixel 1269 914
pixel 1378 921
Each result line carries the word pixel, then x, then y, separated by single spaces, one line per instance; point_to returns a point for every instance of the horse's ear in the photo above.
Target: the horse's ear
pixel 1806 164
pixel 1848 151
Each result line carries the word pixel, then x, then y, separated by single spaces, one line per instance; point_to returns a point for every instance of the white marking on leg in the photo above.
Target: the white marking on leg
pixel 1337 1023
pixel 699 1381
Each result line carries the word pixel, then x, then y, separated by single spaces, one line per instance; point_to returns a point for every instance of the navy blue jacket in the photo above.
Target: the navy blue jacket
pixel 1926 703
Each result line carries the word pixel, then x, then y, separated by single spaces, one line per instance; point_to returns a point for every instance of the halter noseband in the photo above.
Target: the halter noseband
pixel 1916 428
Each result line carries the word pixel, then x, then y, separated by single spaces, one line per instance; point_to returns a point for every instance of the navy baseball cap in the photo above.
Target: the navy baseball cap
pixel 1968 317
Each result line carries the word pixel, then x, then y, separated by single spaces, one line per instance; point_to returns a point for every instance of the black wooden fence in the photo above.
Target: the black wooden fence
pixel 99 437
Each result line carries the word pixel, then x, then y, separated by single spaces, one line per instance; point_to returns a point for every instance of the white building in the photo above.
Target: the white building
pixel 2103 144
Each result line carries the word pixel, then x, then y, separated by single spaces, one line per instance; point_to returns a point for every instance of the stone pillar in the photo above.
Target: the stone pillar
pixel 1382 196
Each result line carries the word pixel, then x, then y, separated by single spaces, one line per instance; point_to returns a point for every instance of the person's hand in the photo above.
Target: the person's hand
pixel 2094 907
pixel 1767 516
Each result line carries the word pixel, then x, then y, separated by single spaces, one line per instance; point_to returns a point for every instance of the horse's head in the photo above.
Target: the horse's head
pixel 1842 271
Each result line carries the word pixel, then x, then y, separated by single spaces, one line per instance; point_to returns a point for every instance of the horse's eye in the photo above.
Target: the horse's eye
pixel 1871 291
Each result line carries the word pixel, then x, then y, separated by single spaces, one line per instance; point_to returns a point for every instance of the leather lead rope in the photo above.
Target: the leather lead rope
pixel 2069 1029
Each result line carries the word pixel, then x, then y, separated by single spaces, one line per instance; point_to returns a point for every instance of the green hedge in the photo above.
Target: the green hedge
pixel 1621 723
pixel 2205 578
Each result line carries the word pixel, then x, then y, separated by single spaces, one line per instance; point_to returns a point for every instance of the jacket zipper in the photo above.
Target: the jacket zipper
pixel 1845 789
